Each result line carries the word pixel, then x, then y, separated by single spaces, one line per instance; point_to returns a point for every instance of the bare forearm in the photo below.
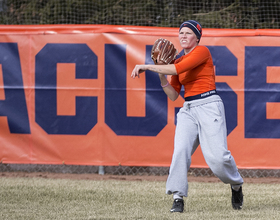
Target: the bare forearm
pixel 167 88
pixel 163 79
pixel 162 69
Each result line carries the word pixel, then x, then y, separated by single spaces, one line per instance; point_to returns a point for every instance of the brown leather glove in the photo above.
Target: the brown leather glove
pixel 163 52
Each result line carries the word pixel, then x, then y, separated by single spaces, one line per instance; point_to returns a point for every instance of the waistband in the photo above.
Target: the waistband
pixel 201 96
pixel 198 102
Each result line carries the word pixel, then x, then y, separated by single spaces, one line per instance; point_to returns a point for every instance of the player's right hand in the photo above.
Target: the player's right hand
pixel 137 70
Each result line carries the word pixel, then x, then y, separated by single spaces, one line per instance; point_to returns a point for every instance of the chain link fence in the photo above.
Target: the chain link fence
pixel 125 170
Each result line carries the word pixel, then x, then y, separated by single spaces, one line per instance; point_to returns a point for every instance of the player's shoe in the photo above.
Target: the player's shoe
pixel 237 198
pixel 178 205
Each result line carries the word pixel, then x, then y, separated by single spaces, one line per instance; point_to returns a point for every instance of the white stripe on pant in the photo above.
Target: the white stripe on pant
pixel 201 121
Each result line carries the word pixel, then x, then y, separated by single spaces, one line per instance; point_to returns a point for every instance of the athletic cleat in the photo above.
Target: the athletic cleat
pixel 237 199
pixel 178 205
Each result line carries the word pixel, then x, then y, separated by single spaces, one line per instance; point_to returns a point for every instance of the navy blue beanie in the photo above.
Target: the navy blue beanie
pixel 194 26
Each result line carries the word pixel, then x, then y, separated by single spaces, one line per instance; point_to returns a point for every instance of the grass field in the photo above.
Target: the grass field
pixel 40 198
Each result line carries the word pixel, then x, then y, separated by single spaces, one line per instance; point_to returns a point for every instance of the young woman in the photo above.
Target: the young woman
pixel 201 120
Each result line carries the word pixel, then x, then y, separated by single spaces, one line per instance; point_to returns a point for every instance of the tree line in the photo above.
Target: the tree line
pixel 163 13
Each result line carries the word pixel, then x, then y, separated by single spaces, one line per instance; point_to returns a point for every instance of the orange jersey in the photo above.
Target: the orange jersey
pixel 195 71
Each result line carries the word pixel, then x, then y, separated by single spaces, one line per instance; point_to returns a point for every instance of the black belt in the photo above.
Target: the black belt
pixel 201 96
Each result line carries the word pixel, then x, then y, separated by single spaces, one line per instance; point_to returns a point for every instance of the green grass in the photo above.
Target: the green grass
pixel 39 198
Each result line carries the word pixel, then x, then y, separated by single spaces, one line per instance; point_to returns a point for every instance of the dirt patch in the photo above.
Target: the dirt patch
pixel 191 178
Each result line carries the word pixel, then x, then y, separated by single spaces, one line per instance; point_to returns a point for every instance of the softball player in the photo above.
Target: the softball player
pixel 201 120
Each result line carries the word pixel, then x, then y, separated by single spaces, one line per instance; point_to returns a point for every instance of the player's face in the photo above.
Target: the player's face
pixel 187 38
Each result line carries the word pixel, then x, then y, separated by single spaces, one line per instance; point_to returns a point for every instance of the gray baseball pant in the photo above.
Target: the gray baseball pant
pixel 201 121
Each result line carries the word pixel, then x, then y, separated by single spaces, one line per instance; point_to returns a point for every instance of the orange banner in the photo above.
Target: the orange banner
pixel 66 96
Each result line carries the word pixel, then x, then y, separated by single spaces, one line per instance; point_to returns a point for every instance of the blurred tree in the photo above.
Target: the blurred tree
pixel 165 13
